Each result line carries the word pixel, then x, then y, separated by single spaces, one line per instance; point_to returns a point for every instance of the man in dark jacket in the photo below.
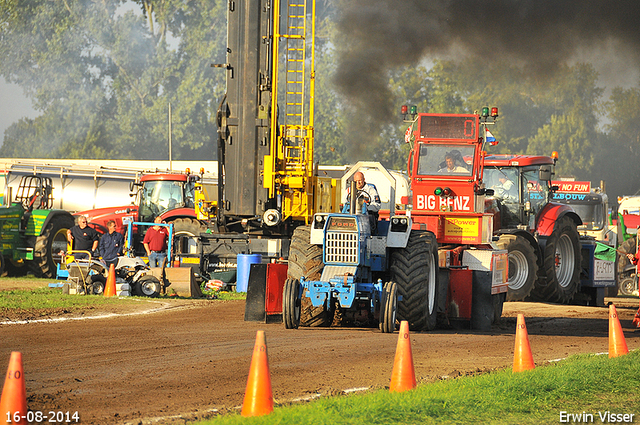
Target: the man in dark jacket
pixel 111 244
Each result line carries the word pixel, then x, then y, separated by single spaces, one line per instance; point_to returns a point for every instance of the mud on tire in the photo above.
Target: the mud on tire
pixel 523 267
pixel 291 304
pixel 415 270
pixel 306 260
pixel 561 261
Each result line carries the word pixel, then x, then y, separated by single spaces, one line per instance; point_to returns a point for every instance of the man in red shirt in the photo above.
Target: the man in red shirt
pixel 155 243
pixel 634 260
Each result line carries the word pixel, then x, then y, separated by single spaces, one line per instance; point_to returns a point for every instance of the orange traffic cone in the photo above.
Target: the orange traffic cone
pixel 522 357
pixel 403 376
pixel 13 404
pixel 110 287
pixel 258 398
pixel 617 343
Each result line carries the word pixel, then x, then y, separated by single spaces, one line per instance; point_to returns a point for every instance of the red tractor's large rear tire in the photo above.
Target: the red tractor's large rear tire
pixel 415 270
pixel 523 267
pixel 51 241
pixel 561 261
pixel 305 260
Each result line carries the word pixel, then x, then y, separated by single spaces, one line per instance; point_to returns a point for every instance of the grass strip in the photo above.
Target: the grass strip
pixel 579 385
pixel 48 298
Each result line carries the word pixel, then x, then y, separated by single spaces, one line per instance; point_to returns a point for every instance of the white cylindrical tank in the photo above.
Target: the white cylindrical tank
pixel 80 185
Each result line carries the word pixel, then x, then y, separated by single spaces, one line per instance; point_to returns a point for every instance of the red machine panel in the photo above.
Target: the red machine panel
pixel 276 275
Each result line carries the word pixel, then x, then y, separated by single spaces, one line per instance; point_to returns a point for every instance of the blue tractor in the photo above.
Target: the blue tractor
pixel 356 284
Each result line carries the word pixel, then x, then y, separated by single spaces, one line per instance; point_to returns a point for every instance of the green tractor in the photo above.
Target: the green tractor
pixel 32 234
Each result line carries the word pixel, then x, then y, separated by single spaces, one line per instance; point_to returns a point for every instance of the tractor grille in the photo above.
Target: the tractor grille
pixel 341 248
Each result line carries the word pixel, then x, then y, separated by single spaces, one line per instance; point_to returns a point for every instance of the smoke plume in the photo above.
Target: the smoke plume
pixel 540 35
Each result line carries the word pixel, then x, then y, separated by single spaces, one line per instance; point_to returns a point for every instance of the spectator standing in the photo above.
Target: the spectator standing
pixel 155 243
pixel 82 238
pixel 111 244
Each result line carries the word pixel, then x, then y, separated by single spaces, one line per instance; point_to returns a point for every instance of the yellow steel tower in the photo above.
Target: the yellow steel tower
pixel 289 168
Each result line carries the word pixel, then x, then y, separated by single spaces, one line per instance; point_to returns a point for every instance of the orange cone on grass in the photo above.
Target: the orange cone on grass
pixel 522 356
pixel 258 398
pixel 14 394
pixel 617 343
pixel 403 376
pixel 110 287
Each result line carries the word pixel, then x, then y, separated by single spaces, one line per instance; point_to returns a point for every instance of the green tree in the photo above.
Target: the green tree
pixel 104 77
pixel 572 128
pixel 620 154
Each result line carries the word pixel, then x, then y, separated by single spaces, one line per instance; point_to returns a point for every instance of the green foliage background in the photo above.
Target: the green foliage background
pixel 102 76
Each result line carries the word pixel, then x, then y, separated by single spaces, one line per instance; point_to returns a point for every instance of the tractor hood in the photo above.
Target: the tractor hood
pixel 98 218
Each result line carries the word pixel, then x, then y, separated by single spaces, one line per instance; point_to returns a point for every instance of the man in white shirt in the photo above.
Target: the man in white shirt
pixel 506 189
pixel 365 190
pixel 369 194
pixel 451 166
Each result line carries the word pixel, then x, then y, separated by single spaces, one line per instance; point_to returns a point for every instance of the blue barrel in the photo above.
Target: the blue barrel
pixel 244 267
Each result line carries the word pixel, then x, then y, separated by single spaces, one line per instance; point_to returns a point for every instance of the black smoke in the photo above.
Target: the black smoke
pixel 540 35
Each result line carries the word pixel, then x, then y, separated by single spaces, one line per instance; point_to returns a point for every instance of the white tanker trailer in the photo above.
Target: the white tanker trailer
pixel 80 185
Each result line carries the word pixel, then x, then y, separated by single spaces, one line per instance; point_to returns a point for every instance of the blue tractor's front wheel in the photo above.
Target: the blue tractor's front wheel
pixel 388 306
pixel 291 303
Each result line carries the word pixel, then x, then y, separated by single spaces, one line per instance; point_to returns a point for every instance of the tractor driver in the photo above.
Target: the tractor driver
pixel 506 189
pixel 450 165
pixel 369 194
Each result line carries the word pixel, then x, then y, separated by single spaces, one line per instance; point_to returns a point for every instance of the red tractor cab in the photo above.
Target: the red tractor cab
pixel 445 167
pixel 168 195
pixel 540 235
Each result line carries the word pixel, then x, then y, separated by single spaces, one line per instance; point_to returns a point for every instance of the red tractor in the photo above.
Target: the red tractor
pixel 540 235
pixel 169 195
pixel 447 204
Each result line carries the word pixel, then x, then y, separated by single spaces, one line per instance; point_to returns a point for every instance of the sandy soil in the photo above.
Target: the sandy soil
pixel 167 361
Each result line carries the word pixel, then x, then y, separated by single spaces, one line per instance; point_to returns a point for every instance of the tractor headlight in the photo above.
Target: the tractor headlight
pixel 318 222
pixel 399 224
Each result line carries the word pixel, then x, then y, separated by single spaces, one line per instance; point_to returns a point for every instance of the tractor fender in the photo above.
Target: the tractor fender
pixel 50 215
pixel 529 237
pixel 175 213
pixel 551 213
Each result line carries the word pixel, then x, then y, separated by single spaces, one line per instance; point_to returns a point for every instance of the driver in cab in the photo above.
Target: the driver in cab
pixel 450 165
pixel 367 191
pixel 505 189
pixel 369 194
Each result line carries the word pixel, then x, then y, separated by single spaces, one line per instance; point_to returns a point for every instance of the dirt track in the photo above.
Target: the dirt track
pixel 191 360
